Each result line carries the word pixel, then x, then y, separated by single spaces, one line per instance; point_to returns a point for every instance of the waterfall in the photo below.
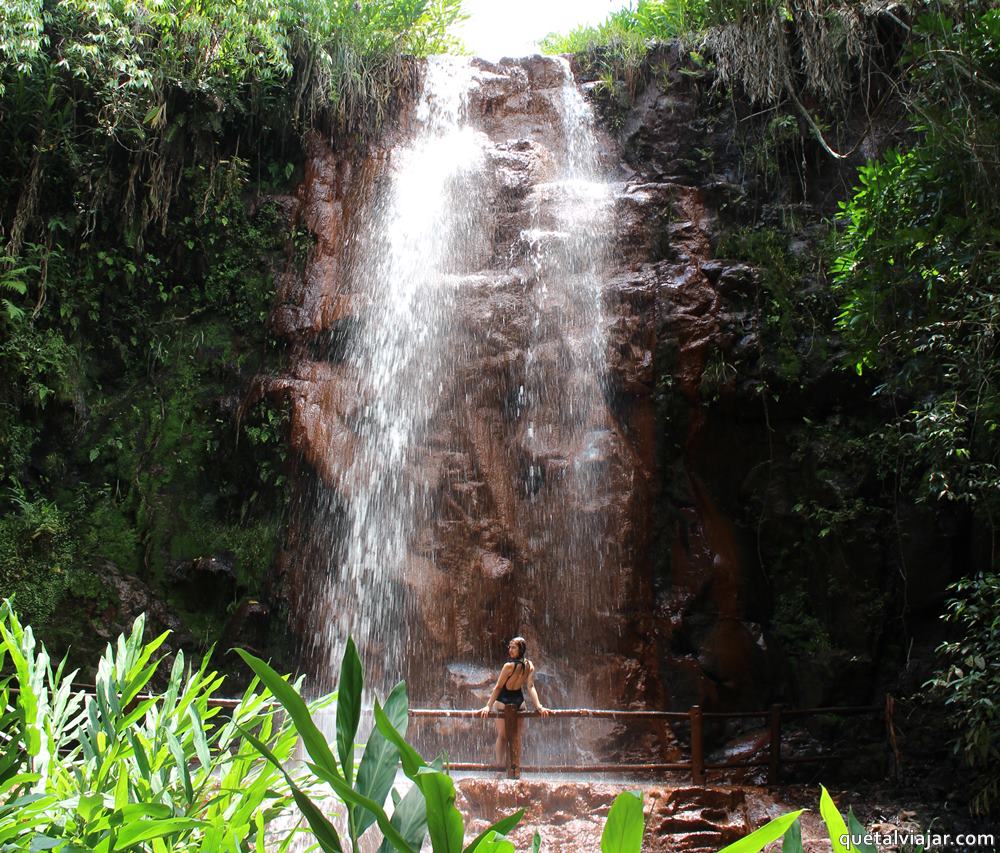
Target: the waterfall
pixel 478 499
pixel 418 232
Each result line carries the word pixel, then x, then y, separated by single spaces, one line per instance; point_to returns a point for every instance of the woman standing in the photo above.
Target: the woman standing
pixel 517 673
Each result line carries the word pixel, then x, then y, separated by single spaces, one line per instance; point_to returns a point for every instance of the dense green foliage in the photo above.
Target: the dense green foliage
pixel 121 769
pixel 138 255
pixel 918 276
pixel 118 421
pixel 910 308
pixel 918 272
pixel 815 56
pixel 970 683
pixel 629 31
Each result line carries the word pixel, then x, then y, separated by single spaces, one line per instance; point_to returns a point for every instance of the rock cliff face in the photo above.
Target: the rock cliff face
pixel 483 566
pixel 755 601
pixel 681 303
pixel 668 614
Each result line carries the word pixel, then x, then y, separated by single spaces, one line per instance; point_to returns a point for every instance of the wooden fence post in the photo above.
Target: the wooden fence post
pixel 697 747
pixel 774 757
pixel 513 734
pixel 890 730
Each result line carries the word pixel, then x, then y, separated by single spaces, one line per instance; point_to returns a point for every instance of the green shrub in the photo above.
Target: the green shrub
pixel 629 31
pixel 40 560
pixel 970 682
pixel 123 770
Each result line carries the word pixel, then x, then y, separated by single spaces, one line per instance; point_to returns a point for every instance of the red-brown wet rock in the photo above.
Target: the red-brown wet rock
pixel 570 816
pixel 247 626
pixel 130 597
pixel 312 301
pixel 322 398
pixel 482 562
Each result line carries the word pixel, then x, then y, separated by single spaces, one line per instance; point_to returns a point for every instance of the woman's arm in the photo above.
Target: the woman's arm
pixel 533 693
pixel 501 681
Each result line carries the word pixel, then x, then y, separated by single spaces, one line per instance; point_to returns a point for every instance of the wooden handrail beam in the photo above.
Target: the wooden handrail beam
pixel 597 713
pixel 569 768
pixel 212 702
pixel 833 711
pixel 677 716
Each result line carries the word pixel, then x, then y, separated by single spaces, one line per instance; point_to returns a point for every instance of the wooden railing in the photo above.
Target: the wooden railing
pixel 695 717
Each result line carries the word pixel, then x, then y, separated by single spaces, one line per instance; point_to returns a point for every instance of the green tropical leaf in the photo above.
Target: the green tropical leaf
pixel 312 737
pixel 501 827
pixel 792 842
pixel 835 826
pixel 349 707
pixel 146 830
pixel 625 825
pixel 858 831
pixel 494 842
pixel 411 759
pixel 409 819
pixel 381 758
pixel 760 838
pixel 444 822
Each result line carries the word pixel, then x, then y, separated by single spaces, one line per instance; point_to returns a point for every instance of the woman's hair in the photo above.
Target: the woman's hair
pixel 522 647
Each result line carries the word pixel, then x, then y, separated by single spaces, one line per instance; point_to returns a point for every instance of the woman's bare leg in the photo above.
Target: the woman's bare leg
pixel 516 748
pixel 501 744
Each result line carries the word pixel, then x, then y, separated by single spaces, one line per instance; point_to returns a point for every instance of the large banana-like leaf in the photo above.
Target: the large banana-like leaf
pixel 349 708
pixel 624 827
pixel 444 822
pixel 760 838
pixel 380 759
pixel 312 737
pixel 409 818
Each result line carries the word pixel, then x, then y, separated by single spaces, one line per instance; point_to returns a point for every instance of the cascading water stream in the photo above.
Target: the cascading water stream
pixel 413 237
pixel 566 251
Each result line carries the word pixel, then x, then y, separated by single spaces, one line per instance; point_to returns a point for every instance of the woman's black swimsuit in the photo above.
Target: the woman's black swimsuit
pixel 512 697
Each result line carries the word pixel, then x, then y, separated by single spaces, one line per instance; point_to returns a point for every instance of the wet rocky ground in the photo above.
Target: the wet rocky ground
pixel 570 815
